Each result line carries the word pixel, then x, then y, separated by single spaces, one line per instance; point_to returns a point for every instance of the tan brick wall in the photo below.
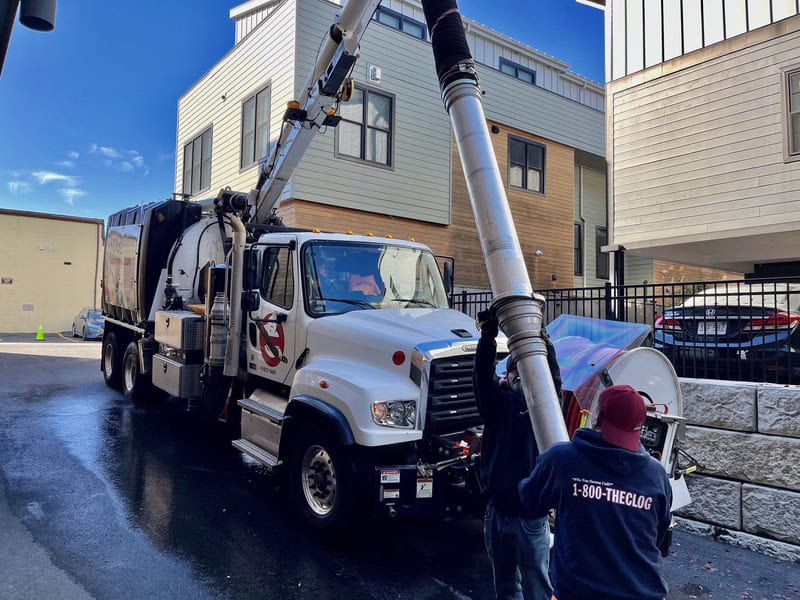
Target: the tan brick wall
pixel 51 269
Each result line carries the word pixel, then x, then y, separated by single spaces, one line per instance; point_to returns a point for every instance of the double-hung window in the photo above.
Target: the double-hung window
pixel 525 165
pixel 197 164
pixel 516 70
pixel 366 129
pixel 792 86
pixel 398 21
pixel 255 128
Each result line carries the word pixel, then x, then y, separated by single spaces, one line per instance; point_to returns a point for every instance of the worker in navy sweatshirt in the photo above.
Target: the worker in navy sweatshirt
pixel 517 544
pixel 612 502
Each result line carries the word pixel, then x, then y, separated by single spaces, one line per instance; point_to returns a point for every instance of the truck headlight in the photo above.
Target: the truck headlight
pixel 395 413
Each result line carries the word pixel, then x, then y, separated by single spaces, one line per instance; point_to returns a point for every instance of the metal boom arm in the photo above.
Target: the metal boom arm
pixel 316 106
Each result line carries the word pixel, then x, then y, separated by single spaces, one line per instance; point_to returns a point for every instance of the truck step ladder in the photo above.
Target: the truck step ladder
pixel 262 421
pixel 256 453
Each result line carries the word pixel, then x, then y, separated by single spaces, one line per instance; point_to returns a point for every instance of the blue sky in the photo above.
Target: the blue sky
pixel 89 109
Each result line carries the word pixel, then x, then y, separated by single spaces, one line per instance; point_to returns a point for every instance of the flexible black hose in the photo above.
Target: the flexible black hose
pixel 450 49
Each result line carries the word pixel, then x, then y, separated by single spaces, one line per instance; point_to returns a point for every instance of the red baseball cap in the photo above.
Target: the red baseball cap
pixel 621 414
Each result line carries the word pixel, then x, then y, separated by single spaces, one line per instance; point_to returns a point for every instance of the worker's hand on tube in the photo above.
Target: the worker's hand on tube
pixel 488 324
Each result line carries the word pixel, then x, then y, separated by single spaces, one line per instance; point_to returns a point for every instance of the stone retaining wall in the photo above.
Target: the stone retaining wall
pixel 746 436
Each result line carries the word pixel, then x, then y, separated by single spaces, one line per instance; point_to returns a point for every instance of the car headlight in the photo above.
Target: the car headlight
pixel 395 413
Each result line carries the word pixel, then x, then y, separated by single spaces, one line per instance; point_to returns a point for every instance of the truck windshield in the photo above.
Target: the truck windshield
pixel 344 276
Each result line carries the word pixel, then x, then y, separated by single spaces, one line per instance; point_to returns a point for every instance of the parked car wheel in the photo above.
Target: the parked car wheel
pixel 111 361
pixel 74 333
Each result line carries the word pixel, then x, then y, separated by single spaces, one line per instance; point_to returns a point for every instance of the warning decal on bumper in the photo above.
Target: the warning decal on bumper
pixel 424 488
pixel 390 475
pixel 390 494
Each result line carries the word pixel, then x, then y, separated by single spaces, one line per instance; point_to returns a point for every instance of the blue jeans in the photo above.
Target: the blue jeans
pixel 519 550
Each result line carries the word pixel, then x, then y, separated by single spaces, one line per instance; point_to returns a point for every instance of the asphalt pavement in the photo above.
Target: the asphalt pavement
pixel 103 499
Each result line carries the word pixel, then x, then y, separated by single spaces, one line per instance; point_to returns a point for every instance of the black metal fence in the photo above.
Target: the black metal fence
pixel 737 330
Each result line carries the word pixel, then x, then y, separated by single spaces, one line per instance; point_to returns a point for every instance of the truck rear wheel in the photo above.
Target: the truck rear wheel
pixel 134 383
pixel 111 361
pixel 322 481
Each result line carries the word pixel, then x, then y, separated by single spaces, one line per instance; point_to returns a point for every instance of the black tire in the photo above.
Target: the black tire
pixel 134 383
pixel 83 335
pixel 322 483
pixel 111 361
pixel 74 333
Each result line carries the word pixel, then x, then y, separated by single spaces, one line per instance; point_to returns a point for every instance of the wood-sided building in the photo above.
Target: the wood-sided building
pixel 391 166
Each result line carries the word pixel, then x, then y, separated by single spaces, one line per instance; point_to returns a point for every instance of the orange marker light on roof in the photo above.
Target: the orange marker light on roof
pixel 316 230
pixel 369 234
pixel 411 239
pixel 390 236
pixel 349 232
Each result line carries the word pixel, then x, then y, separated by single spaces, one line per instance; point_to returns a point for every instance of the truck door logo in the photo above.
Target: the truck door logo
pixel 271 341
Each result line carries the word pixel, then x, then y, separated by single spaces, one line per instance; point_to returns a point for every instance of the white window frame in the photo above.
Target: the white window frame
pixel 790 152
pixel 205 164
pixel 243 166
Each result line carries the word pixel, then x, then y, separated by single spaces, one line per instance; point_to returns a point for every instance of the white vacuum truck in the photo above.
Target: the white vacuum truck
pixel 336 356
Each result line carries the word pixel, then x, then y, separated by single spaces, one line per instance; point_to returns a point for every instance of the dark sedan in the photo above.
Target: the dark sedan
pixel 743 330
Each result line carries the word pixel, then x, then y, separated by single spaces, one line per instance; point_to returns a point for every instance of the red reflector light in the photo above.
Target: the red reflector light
pixel 773 321
pixel 399 357
pixel 667 323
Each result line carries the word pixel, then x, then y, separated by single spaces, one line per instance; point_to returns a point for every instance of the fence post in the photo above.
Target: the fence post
pixel 609 308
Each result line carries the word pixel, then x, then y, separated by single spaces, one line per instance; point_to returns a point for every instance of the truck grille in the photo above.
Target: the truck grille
pixel 451 400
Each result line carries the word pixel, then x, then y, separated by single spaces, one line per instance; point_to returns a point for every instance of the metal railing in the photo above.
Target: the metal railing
pixel 747 330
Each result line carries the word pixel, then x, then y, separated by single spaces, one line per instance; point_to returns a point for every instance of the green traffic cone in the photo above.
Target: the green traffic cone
pixel 40 333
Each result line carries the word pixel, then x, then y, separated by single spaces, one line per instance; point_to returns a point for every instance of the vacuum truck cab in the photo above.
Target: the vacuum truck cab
pixel 354 377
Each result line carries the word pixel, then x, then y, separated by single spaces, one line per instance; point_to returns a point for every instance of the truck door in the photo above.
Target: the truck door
pixel 271 329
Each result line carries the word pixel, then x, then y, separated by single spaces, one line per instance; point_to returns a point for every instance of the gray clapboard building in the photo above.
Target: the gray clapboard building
pixel 704 132
pixel 390 167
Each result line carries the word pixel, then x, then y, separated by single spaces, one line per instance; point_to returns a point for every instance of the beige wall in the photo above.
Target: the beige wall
pixel 49 270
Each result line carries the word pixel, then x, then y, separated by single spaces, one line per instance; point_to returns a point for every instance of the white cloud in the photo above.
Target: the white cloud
pixel 73 154
pixel 67 164
pixel 15 186
pixel 124 160
pixel 45 177
pixel 70 194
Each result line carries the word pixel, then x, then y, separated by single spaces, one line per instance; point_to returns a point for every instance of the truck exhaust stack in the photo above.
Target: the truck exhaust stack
pixel 518 309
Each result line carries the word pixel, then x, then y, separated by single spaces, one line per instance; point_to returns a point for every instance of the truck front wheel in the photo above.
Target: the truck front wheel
pixel 111 361
pixel 323 483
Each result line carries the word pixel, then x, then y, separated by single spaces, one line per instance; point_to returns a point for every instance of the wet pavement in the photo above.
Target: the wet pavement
pixel 101 498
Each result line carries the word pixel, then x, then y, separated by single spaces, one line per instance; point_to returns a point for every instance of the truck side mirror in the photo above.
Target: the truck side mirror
pixel 250 301
pixel 250 273
pixel 448 277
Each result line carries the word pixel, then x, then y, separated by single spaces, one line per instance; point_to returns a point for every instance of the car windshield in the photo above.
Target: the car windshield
pixel 345 276
pixel 767 295
pixel 94 314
